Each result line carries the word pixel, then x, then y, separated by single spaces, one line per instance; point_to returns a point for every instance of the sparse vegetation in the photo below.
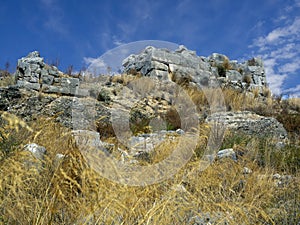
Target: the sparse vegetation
pixel 6 81
pixel 226 64
pixel 70 192
pixel 221 71
pixel 247 79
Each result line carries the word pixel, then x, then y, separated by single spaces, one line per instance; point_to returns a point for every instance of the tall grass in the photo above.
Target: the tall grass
pixel 68 191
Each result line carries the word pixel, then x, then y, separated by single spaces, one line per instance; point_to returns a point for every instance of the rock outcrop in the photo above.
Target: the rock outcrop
pixel 184 66
pixel 36 80
pixel 33 73
pixel 249 123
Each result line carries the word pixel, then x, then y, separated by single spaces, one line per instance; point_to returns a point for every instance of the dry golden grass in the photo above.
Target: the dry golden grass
pixel 125 79
pixel 231 99
pixel 69 192
pixel 7 80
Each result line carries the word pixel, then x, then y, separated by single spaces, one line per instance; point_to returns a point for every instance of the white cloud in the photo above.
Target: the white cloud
pixel 275 83
pixel 290 67
pixel 117 41
pixel 96 66
pixel 294 92
pixel 48 3
pixel 94 61
pixel 53 17
pixel 280 50
pixel 282 32
pixel 288 51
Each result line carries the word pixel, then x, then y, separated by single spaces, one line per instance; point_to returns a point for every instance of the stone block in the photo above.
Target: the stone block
pixel 47 79
pixel 233 75
pixel 28 85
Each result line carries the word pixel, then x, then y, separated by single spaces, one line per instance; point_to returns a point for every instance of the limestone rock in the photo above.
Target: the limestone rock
pixel 250 123
pixel 183 66
pixel 37 151
pixel 227 153
pixel 247 170
pixel 32 73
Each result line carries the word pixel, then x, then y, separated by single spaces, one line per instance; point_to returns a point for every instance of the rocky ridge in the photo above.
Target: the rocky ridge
pixel 184 65
pixel 42 89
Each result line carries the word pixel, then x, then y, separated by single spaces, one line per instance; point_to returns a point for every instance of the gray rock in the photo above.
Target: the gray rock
pixel 227 153
pixel 162 75
pixel 276 176
pixel 249 123
pixel 180 131
pixel 233 75
pixel 33 54
pixel 37 151
pixel 44 72
pixel 51 89
pixel 218 58
pixel 87 138
pixel 246 170
pixel 28 85
pixel 70 82
pixel 185 67
pixel 47 79
pixel 282 180
pixel 280 145
pixel 53 71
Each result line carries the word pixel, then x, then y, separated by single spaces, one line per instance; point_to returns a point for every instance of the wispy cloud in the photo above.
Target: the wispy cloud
pixel 53 19
pixel 117 41
pixel 290 67
pixel 280 49
pixel 294 92
pixel 96 66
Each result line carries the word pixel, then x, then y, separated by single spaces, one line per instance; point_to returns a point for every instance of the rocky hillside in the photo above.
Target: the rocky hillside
pixel 175 132
pixel 148 95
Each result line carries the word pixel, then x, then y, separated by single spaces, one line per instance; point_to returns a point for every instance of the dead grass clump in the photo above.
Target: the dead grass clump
pixel 226 64
pixel 125 79
pixel 7 80
pixel 247 79
pixel 233 100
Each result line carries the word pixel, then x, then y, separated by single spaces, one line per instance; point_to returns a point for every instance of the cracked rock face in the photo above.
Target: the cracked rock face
pixel 32 73
pixel 249 123
pixel 36 80
pixel 184 66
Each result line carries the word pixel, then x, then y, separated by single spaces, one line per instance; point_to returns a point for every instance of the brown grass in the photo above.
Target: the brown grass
pixel 69 192
pixel 7 80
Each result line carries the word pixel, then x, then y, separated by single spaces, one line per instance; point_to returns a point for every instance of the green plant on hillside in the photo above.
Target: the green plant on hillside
pixel 221 71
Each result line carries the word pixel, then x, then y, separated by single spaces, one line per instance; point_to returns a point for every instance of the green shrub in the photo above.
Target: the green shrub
pixel 104 96
pixel 221 71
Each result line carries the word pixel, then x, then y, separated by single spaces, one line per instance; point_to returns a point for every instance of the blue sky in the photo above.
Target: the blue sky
pixel 76 32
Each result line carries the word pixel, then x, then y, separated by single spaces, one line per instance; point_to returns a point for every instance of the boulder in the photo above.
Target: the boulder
pixel 227 153
pixel 37 151
pixel 37 156
pixel 233 75
pixel 249 123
